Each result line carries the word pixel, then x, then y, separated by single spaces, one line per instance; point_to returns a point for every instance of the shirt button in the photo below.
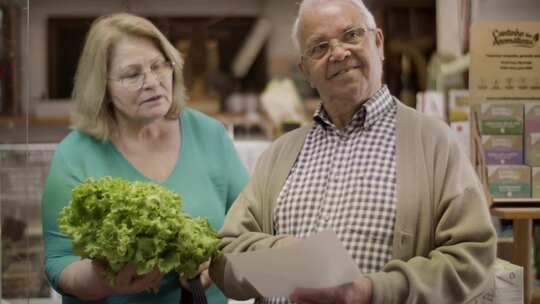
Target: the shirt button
pixel 325 217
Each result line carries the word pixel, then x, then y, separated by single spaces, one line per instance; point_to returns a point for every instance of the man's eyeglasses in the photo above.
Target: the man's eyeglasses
pixel 134 81
pixel 351 37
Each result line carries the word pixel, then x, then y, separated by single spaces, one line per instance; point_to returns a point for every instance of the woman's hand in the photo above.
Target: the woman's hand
pixel 85 280
pixel 127 281
pixel 206 281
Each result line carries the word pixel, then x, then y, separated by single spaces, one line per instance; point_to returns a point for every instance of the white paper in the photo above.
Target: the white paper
pixel 508 283
pixel 315 262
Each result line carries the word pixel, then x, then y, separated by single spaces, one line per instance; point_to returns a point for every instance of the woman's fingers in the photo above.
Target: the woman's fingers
pixel 125 276
pixel 204 266
pixel 156 283
pixel 146 281
pixel 204 277
pixel 206 281
pixel 127 280
pixel 184 283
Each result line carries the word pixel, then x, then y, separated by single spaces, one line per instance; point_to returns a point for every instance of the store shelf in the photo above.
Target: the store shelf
pixel 506 201
pixel 32 301
pixel 521 211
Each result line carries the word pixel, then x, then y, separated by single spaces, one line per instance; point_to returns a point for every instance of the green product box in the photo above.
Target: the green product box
pixel 532 149
pixel 501 119
pixel 535 182
pixel 509 181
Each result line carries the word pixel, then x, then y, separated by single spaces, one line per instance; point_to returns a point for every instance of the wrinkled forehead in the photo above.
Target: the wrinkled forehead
pixel 130 50
pixel 327 19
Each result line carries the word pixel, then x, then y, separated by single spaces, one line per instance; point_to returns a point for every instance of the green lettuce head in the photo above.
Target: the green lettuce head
pixel 116 222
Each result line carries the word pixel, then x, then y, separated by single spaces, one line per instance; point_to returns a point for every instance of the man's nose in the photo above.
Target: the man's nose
pixel 338 52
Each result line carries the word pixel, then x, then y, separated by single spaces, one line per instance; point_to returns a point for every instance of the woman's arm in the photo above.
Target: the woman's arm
pixel 66 272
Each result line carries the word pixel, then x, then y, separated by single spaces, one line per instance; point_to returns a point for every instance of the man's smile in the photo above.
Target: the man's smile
pixel 343 71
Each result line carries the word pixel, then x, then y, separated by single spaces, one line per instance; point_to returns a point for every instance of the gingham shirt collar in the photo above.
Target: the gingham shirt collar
pixel 371 111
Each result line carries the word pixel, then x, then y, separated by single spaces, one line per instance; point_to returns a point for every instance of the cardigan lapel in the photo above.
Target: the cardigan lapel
pixel 408 203
pixel 285 159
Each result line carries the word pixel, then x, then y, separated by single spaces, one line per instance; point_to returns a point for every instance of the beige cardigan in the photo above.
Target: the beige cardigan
pixel 444 243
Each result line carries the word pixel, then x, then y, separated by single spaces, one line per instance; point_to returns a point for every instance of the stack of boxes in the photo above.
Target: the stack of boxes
pixel 532 144
pixel 511 142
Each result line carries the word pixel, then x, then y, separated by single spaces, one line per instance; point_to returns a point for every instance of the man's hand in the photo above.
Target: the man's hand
pixel 206 281
pixel 358 292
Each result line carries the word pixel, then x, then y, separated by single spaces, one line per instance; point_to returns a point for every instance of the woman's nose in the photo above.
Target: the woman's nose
pixel 150 79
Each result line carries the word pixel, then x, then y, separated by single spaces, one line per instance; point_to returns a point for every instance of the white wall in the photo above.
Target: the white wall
pixel 515 10
pixel 448 28
pixel 280 12
pixel 280 47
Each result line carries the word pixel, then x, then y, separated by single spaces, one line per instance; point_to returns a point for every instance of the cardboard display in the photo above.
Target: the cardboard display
pixel 505 61
pixel 504 88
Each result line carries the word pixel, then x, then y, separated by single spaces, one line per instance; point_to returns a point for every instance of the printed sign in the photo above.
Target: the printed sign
pixel 505 61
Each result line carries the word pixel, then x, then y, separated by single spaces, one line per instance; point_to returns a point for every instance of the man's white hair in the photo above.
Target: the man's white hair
pixel 370 20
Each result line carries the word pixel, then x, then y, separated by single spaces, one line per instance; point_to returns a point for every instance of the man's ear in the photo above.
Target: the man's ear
pixel 379 43
pixel 305 71
pixel 302 68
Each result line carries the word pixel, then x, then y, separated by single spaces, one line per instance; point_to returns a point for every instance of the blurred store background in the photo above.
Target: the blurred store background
pixel 241 68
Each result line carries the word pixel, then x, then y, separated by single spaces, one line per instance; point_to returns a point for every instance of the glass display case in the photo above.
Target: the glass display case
pixel 23 169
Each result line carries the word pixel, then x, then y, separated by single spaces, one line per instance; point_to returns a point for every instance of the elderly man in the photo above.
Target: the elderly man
pixel 392 183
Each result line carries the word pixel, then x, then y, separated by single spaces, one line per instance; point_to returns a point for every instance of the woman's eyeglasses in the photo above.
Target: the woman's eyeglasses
pixel 135 81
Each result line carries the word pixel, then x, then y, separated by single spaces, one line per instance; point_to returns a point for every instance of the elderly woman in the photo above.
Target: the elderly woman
pixel 130 121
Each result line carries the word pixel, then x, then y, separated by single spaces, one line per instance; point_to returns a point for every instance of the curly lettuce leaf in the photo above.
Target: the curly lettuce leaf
pixel 116 222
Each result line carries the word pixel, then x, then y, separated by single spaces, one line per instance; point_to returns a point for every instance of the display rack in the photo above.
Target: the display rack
pixel 521 211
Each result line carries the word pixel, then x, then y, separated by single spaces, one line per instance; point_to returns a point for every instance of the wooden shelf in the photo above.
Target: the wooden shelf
pixel 516 213
pixel 501 201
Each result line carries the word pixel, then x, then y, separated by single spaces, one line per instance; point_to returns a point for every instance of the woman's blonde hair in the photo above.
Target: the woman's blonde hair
pixel 92 113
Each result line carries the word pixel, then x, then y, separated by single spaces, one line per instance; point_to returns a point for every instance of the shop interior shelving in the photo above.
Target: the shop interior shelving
pixel 521 211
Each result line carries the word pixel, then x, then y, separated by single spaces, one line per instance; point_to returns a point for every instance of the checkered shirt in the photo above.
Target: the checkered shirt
pixel 346 180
